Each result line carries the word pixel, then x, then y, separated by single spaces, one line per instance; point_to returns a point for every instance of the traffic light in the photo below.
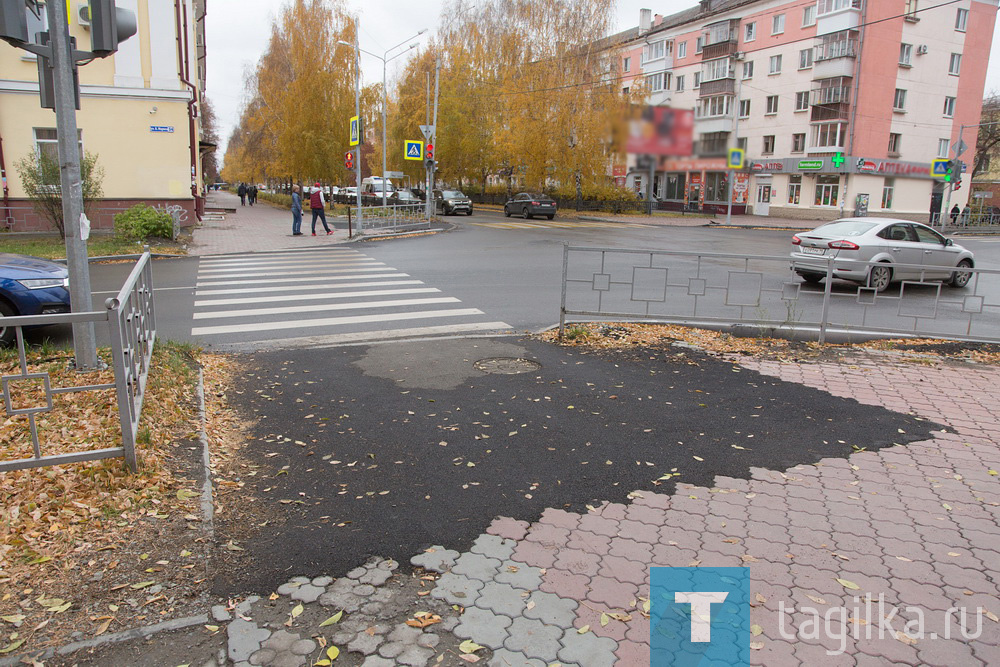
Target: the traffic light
pixel 13 22
pixel 429 163
pixel 349 160
pixel 429 152
pixel 949 174
pixel 109 25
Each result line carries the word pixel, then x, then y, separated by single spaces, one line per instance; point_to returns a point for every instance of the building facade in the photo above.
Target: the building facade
pixel 840 105
pixel 139 113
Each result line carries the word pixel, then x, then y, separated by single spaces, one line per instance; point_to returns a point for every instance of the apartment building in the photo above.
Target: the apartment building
pixel 840 105
pixel 139 113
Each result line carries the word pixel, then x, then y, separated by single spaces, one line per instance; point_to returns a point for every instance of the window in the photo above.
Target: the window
pixel 775 65
pixel 911 9
pixel 47 145
pixel 682 50
pixel 802 101
pixel 741 143
pixel 714 143
pixel 961 19
pixel 799 143
pixel 887 191
pixel 943 147
pixel 829 135
pixel 768 147
pixel 809 16
pixel 716 186
pixel 772 104
pixel 750 32
pixel 699 44
pixel 805 58
pixel 748 70
pixel 841 44
pixel 905 55
pixel 653 51
pixel 794 188
pixel 626 64
pixel 674 187
pixel 828 6
pixel 711 107
pixel 899 101
pixel 949 107
pixel 718 33
pixel 955 65
pixel 697 80
pixel 894 139
pixel 827 190
pixel 778 24
pixel 654 82
pixel 625 90
pixel 680 83
pixel 720 68
pixel 744 108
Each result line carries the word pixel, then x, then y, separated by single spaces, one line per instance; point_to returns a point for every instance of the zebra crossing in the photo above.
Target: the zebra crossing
pixel 557 224
pixel 332 296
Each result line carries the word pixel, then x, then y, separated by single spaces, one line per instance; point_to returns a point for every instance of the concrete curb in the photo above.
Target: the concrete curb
pixel 118 637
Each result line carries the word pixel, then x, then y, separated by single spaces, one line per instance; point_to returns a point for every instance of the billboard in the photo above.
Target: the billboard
pixel 657 130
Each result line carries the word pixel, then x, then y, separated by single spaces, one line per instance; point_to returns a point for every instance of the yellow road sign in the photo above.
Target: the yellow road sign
pixel 735 158
pixel 355 130
pixel 413 150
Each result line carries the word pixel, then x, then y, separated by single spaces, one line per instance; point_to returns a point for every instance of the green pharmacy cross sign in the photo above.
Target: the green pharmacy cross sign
pixel 837 160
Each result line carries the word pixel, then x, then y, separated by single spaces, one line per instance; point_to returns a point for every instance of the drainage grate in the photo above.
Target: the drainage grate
pixel 507 365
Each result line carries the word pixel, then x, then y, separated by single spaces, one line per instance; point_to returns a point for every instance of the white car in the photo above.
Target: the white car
pixel 870 251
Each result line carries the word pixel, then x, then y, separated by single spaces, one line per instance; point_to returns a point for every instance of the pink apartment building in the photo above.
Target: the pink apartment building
pixel 839 104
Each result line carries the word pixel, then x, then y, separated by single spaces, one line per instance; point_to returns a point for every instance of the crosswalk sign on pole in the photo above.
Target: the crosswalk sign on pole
pixel 735 158
pixel 413 150
pixel 939 167
pixel 355 130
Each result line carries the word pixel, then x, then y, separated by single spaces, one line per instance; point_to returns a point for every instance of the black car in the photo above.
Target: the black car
pixel 451 202
pixel 530 204
pixel 404 196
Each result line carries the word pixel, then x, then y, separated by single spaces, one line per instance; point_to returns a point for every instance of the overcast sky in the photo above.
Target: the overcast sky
pixel 238 32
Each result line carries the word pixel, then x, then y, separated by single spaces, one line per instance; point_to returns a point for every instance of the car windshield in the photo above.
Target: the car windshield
pixel 452 194
pixel 845 228
pixel 535 195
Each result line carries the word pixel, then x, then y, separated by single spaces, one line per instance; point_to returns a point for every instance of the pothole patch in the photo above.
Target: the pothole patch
pixel 507 365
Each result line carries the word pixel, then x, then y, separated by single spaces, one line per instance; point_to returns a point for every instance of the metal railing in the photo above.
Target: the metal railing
pixel 131 323
pixel 764 293
pixel 402 217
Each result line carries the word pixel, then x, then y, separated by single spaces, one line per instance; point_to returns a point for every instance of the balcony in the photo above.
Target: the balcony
pixel 720 50
pixel 720 39
pixel 835 20
pixel 712 144
pixel 714 124
pixel 725 86
pixel 831 100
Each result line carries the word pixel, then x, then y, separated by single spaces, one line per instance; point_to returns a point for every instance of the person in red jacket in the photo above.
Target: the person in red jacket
pixel 317 204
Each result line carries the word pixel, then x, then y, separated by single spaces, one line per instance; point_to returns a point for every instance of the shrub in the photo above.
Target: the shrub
pixel 142 222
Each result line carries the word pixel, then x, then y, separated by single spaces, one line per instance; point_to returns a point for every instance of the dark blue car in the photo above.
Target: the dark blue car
pixel 30 286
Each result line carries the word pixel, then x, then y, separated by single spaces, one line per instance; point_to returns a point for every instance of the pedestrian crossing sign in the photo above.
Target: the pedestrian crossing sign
pixel 414 150
pixel 355 130
pixel 735 158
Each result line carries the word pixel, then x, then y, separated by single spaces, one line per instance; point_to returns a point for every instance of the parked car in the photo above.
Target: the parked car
pixel 372 189
pixel 451 202
pixel 530 204
pixel 30 286
pixel 404 196
pixel 887 243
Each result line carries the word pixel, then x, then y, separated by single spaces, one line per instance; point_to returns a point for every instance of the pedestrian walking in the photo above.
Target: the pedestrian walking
pixel 253 194
pixel 954 214
pixel 242 192
pixel 966 214
pixel 296 211
pixel 317 204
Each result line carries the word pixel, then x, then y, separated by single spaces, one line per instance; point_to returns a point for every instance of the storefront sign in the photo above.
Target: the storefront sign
pixel 891 167
pixel 769 166
pixel 619 170
pixel 811 165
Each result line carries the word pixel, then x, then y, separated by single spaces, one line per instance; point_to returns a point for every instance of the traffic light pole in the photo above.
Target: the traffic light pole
pixel 70 181
pixel 357 112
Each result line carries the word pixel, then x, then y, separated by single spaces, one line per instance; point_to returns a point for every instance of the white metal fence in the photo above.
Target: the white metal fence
pixel 398 218
pixel 131 323
pixel 712 289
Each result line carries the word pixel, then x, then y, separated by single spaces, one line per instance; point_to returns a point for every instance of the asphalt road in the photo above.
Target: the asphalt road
pixel 361 450
pixel 511 275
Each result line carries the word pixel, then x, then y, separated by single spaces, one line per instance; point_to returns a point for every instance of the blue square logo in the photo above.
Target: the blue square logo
pixel 699 616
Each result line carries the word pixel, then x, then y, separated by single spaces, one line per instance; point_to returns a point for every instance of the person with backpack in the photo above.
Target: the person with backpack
pixel 242 192
pixel 318 204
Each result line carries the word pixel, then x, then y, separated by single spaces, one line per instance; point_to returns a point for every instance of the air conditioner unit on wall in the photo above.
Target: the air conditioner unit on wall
pixel 83 13
pixel 921 49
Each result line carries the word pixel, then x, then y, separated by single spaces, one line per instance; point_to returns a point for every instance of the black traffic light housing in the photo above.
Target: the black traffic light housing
pixel 13 22
pixel 109 26
pixel 949 173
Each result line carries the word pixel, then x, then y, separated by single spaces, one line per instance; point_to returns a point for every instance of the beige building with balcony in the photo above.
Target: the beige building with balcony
pixel 139 113
pixel 839 104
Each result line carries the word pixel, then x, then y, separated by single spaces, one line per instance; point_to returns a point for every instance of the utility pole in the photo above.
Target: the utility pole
pixel 357 112
pixel 731 173
pixel 70 182
pixel 427 170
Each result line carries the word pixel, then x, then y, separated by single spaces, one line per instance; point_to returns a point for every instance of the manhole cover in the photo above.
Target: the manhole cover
pixel 507 365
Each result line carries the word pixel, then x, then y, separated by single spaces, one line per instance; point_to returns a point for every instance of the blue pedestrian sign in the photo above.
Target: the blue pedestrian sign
pixel 735 158
pixel 355 130
pixel 413 150
pixel 939 167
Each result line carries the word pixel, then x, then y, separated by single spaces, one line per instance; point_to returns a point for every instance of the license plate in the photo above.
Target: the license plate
pixel 813 251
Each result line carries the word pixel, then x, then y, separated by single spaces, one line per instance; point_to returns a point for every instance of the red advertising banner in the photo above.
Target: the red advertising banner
pixel 661 131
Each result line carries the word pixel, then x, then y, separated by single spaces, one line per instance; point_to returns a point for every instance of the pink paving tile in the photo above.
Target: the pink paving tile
pixel 547 534
pixel 589 542
pixel 590 614
pixel 535 554
pixel 632 653
pixel 599 525
pixel 612 593
pixel 641 552
pixel 638 531
pixel 624 569
pixel 565 584
pixel 508 528
pixel 559 518
pixel 576 560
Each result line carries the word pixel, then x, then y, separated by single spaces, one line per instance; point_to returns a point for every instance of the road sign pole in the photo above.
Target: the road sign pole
pixel 71 184
pixel 357 112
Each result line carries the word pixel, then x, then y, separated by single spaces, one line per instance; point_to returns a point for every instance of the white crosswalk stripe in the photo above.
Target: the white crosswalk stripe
pixel 564 224
pixel 322 297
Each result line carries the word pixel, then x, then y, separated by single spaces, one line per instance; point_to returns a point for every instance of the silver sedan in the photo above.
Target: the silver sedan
pixel 878 251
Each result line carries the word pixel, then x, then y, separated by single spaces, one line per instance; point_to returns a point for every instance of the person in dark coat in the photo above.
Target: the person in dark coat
pixel 296 211
pixel 252 192
pixel 955 211
pixel 242 192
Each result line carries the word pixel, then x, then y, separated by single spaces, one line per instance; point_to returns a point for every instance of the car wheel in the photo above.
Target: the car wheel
pixel 7 334
pixel 812 278
pixel 506 213
pixel 960 279
pixel 469 212
pixel 879 277
pixel 551 217
pixel 524 212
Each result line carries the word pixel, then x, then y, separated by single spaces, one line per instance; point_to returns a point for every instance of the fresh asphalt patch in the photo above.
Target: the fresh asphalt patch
pixel 387 449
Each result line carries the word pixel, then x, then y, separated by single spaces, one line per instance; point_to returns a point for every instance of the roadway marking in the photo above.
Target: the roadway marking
pixel 334 321
pixel 361 265
pixel 304 297
pixel 311 279
pixel 583 224
pixel 291 288
pixel 375 336
pixel 285 310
